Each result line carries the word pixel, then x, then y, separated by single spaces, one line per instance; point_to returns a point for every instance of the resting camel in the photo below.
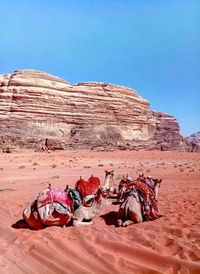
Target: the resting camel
pixel 58 207
pixel 140 204
pixel 91 204
pixel 108 180
pixel 89 208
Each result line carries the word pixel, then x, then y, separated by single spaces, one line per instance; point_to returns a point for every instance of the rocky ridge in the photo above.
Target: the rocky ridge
pixel 193 142
pixel 41 111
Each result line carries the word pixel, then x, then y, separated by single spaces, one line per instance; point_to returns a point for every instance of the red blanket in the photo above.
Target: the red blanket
pixel 88 187
pixel 150 204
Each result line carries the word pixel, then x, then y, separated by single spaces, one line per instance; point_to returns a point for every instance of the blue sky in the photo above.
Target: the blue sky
pixel 152 46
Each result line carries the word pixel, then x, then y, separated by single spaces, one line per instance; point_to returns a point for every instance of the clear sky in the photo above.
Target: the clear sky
pixel 152 46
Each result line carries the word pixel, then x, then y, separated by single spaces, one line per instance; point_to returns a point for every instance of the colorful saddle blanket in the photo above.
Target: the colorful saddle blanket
pixel 52 207
pixel 148 201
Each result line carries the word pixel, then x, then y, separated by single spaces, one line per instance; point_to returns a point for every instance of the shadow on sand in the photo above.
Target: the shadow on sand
pixel 110 218
pixel 20 224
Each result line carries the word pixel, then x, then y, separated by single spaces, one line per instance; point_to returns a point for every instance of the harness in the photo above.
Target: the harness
pixel 78 200
pixel 145 195
pixel 88 200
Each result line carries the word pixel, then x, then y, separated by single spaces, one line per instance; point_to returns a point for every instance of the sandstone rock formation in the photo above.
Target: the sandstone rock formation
pixel 193 142
pixel 39 110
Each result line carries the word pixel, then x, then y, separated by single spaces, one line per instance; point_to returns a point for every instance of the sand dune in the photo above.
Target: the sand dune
pixel 170 244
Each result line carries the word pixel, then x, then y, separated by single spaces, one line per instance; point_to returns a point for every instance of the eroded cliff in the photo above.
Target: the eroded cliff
pixel 39 110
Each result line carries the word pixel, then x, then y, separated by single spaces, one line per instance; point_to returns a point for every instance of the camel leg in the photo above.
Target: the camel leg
pixel 80 223
pixel 120 213
pixel 136 218
pixel 127 223
pixel 120 216
pixel 120 198
pixel 119 222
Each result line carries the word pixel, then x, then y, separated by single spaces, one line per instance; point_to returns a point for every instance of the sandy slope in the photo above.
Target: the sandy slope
pixel 168 245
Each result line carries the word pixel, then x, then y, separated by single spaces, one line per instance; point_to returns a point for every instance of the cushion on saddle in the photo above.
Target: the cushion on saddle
pixel 75 196
pixel 50 195
pixel 88 187
pixel 124 184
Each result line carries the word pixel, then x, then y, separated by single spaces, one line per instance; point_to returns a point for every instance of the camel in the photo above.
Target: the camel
pixel 51 207
pixel 59 207
pixel 92 204
pixel 108 179
pixel 137 208
pixel 109 186
pixel 130 210
pixel 155 183
pixel 89 208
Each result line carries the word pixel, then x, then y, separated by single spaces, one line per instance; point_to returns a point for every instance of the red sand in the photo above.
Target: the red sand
pixel 168 245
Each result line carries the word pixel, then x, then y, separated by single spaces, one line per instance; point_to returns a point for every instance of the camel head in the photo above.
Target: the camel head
pixel 108 178
pixel 141 177
pixel 157 183
pixel 109 173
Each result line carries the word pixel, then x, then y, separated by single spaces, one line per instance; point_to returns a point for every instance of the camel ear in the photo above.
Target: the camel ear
pixel 160 181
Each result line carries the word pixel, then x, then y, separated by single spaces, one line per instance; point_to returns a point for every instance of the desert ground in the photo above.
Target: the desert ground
pixel 170 244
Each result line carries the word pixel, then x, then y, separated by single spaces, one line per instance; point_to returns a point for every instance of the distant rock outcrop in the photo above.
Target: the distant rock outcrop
pixel 193 142
pixel 41 111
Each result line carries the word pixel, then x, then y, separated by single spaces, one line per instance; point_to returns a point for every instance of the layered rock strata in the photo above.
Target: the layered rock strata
pixel 193 142
pixel 39 110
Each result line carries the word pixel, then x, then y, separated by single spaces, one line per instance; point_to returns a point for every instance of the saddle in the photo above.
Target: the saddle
pixel 89 187
pixel 147 200
pixel 52 207
pixel 145 189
